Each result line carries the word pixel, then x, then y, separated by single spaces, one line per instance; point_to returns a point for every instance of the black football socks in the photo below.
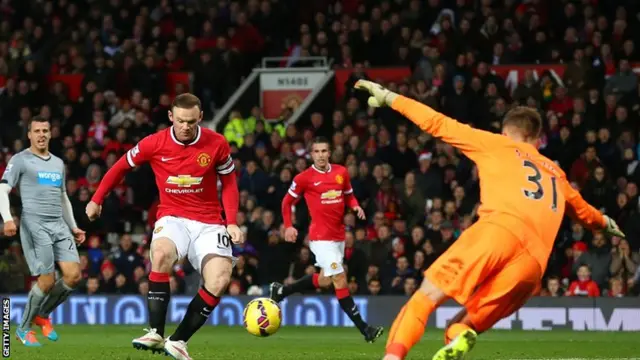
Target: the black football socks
pixel 158 300
pixel 349 307
pixel 197 314
pixel 302 285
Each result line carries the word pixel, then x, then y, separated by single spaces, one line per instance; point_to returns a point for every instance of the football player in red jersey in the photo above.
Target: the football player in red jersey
pixel 326 189
pixel 187 161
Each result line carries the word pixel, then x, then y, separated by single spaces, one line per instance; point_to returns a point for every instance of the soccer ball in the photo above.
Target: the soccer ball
pixel 262 317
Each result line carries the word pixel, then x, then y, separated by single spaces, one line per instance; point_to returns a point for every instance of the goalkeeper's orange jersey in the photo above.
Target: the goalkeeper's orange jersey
pixel 520 189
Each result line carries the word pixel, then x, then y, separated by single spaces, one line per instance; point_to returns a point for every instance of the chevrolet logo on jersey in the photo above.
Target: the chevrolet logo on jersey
pixel 184 180
pixel 331 194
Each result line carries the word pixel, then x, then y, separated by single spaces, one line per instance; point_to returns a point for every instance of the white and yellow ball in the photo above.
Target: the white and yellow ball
pixel 262 317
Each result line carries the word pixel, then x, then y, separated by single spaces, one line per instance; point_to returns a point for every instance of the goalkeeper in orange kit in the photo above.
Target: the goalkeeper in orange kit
pixel 498 263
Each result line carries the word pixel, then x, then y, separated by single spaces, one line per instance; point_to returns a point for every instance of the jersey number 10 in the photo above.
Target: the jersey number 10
pixel 536 180
pixel 224 240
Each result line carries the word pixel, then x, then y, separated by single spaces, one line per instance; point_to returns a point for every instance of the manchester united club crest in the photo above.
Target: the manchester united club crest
pixel 291 101
pixel 339 179
pixel 204 159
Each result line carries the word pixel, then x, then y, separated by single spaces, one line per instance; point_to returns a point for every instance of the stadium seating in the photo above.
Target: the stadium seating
pixel 105 77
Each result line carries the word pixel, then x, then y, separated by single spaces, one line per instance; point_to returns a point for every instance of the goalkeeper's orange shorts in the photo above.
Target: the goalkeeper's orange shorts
pixel 489 272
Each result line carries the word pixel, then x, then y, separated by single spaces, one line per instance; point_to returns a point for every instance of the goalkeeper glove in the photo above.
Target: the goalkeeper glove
pixel 380 96
pixel 612 229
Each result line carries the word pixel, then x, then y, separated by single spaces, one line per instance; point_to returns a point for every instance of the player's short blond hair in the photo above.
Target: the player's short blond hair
pixel 525 119
pixel 186 101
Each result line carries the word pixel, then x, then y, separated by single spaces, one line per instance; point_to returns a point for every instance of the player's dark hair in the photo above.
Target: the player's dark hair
pixel 38 119
pixel 321 140
pixel 525 119
pixel 186 101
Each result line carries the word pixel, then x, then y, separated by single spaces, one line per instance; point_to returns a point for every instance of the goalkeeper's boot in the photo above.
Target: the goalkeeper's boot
pixel 458 347
pixel 151 341
pixel 275 292
pixel 176 349
pixel 27 338
pixel 47 329
pixel 372 333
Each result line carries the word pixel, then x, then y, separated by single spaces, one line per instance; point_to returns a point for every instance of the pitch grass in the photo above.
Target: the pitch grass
pixel 233 343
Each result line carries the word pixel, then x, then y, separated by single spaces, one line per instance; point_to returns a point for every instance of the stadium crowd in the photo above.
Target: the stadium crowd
pixel 419 194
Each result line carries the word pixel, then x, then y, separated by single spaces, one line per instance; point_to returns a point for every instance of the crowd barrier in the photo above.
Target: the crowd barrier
pixel 578 314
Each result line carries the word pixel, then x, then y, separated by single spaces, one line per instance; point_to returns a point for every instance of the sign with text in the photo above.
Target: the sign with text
pixel 577 314
pixel 286 88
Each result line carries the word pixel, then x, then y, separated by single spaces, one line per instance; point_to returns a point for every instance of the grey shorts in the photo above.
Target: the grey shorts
pixel 45 242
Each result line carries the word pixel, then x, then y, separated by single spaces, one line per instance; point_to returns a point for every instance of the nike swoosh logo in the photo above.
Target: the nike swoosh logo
pixel 317 183
pixel 164 159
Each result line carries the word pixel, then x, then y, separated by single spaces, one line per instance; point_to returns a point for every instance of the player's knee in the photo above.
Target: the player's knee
pixel 162 256
pixel 72 277
pixel 217 284
pixel 324 281
pixel 216 272
pixel 339 280
pixel 46 282
pixel 161 259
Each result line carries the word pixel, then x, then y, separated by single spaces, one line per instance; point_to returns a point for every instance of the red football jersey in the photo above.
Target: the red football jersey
pixel 186 174
pixel 324 193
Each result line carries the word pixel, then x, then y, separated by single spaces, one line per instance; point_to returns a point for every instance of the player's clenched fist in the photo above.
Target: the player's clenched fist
pixel 291 234
pixel 10 228
pixel 93 210
pixel 237 236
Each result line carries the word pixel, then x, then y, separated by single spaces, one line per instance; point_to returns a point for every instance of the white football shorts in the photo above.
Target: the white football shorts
pixel 194 239
pixel 329 255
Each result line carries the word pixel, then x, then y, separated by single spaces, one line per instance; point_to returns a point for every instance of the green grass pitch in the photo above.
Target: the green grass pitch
pixel 114 342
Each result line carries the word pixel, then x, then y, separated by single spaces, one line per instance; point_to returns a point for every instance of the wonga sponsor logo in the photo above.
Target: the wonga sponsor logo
pixel 49 178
